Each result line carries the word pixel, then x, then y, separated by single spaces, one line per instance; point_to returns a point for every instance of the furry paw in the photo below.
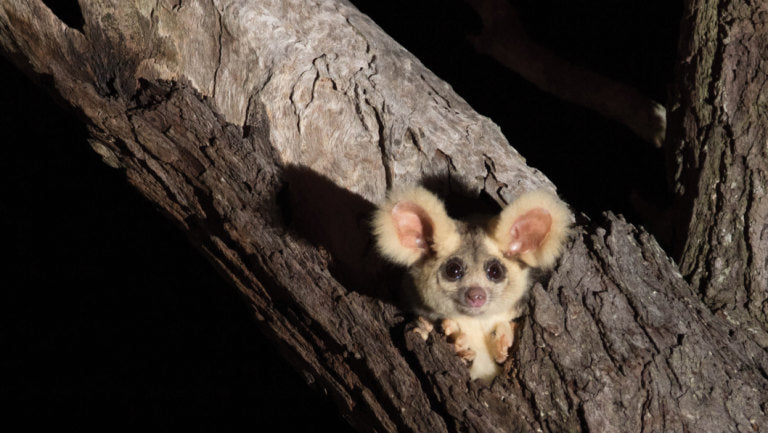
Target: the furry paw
pixel 450 327
pixel 423 328
pixel 458 339
pixel 502 337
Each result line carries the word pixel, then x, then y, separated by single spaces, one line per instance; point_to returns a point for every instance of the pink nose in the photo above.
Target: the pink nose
pixel 475 296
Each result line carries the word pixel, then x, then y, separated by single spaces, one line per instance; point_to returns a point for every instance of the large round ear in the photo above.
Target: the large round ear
pixel 411 224
pixel 533 228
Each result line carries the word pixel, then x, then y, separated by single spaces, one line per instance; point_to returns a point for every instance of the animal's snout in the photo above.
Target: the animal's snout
pixel 475 296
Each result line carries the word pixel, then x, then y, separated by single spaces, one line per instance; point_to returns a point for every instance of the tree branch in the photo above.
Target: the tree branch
pixel 267 143
pixel 719 160
pixel 504 38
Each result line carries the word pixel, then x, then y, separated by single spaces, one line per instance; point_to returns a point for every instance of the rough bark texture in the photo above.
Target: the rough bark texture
pixel 267 129
pixel 720 151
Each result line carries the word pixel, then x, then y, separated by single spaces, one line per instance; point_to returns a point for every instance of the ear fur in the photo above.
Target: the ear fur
pixel 412 223
pixel 533 228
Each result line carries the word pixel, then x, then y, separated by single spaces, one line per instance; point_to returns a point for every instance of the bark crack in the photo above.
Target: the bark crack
pixel 218 35
pixel 436 95
pixel 382 144
pixel 496 187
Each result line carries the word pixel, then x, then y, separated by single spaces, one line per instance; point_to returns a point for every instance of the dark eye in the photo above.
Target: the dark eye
pixel 453 269
pixel 495 271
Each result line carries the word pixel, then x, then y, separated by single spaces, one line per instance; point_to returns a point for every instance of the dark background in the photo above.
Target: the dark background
pixel 110 319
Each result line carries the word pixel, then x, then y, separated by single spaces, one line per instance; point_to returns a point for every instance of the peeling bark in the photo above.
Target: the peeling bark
pixel 266 143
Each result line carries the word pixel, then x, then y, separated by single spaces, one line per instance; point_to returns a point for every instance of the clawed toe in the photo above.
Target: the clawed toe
pixel 458 340
pixel 501 340
pixel 423 328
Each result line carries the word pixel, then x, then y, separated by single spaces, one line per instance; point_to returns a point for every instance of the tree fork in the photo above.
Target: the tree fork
pixel 248 152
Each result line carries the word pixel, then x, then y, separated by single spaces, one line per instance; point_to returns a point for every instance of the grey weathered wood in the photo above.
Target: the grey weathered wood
pixel 265 130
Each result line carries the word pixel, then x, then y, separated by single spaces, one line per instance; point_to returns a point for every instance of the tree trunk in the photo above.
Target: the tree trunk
pixel 719 151
pixel 266 130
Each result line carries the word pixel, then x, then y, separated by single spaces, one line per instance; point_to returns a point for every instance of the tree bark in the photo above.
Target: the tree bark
pixel 719 153
pixel 266 130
